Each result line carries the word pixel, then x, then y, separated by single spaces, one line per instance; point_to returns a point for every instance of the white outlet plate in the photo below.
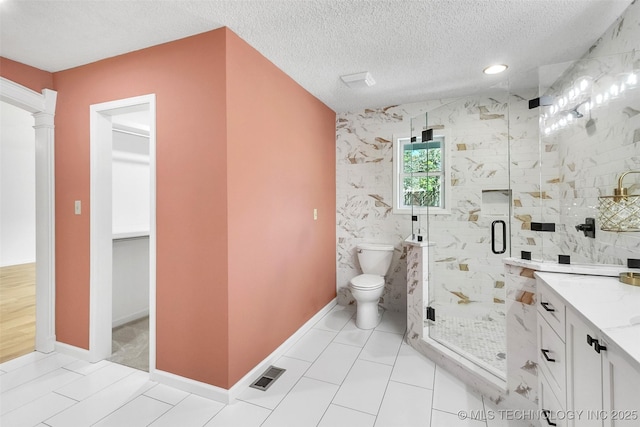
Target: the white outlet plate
pixel 78 207
pixel 315 214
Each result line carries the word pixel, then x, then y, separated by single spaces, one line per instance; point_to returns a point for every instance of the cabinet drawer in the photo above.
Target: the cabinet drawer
pixel 550 406
pixel 551 309
pixel 551 357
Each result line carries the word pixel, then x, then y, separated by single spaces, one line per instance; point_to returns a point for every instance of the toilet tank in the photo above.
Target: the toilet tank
pixel 375 258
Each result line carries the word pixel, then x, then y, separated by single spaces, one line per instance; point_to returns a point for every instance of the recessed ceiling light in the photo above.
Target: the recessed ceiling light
pixel 495 69
pixel 358 80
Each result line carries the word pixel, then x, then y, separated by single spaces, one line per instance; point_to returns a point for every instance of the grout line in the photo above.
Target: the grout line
pixel 413 385
pixel 328 406
pixel 353 409
pixel 67 397
pixel 395 360
pixel 162 401
pixel 435 367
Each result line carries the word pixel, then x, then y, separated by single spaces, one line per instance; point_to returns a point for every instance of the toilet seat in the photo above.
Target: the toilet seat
pixel 367 281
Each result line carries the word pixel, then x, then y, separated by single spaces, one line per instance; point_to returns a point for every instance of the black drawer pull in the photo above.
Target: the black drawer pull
pixel 545 305
pixel 544 354
pixel 593 342
pixel 546 413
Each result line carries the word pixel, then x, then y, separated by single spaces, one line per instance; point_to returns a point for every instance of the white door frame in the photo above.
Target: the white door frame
pixel 43 108
pixel 101 237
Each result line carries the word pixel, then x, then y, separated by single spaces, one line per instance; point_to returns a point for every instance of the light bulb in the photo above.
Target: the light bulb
pixel 614 90
pixel 599 99
pixel 583 84
pixel 495 69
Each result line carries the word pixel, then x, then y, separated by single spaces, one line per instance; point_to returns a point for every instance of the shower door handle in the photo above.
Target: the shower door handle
pixel 493 237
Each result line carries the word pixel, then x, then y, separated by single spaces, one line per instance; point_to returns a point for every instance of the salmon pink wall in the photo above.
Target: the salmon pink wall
pixel 244 155
pixel 26 75
pixel 281 165
pixel 188 78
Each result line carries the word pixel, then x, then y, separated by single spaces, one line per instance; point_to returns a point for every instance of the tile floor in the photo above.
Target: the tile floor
pixel 336 375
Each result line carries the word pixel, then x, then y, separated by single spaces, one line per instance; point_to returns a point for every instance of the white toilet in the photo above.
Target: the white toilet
pixel 367 288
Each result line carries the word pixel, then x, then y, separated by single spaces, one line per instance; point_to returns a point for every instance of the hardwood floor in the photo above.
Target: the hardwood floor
pixel 17 310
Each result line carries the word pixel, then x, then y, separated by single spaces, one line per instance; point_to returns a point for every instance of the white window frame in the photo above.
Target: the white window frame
pixel 398 206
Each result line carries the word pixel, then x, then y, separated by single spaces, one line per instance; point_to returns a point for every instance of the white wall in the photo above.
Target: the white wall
pixel 17 186
pixel 130 279
pixel 131 183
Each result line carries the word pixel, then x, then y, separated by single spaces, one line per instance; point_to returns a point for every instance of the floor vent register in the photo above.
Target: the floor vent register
pixel 268 378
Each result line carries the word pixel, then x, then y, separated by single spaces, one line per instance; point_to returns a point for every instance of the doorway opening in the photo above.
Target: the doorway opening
pixel 17 232
pixel 42 107
pixel 123 248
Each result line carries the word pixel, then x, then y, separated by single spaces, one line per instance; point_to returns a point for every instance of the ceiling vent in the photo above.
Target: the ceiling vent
pixel 358 80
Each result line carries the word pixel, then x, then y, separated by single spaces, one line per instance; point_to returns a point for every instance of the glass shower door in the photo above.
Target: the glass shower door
pixel 470 228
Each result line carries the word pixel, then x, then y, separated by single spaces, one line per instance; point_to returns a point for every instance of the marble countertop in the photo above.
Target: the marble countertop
pixel 605 303
pixel 412 242
pixel 554 267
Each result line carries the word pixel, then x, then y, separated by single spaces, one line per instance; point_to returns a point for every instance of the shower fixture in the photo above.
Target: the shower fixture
pixel 576 114
pixel 588 228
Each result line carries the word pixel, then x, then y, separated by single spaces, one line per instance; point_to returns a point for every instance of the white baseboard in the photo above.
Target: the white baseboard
pixel 191 386
pixel 73 351
pixel 130 318
pixel 252 375
pixel 228 396
pixel 45 345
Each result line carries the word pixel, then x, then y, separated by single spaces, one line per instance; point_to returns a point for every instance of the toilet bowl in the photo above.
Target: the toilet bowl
pixel 367 288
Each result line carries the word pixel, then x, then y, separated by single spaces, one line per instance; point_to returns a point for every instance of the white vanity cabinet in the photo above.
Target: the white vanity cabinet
pixel 621 393
pixel 585 378
pixel 599 378
pixel 584 371
pixel 551 357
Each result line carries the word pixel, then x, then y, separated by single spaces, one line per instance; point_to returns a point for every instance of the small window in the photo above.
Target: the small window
pixel 419 175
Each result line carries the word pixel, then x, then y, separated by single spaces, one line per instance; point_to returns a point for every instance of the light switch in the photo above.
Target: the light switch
pixel 78 207
pixel 315 214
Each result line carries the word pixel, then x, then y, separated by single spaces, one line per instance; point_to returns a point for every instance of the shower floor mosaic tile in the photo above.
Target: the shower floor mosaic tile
pixel 484 339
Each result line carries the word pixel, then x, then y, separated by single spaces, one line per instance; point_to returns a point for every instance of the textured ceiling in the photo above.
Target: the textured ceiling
pixel 415 50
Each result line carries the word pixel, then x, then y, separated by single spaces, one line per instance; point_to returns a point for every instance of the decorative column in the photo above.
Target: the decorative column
pixel 45 223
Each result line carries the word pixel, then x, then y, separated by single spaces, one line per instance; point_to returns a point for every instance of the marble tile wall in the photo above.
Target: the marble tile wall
pixel 577 166
pixel 553 179
pixel 522 356
pixel 466 277
pixel 594 150
pixel 364 191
